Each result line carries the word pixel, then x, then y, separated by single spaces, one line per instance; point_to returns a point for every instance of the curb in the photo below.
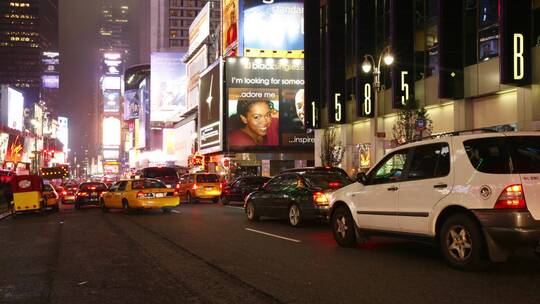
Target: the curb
pixel 4 214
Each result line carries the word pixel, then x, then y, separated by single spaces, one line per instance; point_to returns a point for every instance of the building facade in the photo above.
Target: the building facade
pixel 471 64
pixel 28 28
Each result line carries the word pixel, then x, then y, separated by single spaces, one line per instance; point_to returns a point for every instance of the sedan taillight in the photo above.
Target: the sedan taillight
pixel 320 198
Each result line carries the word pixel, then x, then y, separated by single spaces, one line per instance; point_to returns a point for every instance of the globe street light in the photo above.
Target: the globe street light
pixel 367 65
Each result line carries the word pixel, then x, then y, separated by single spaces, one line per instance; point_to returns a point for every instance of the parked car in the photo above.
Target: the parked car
pixel 195 186
pixel 241 187
pixel 50 197
pixel 476 195
pixel 298 196
pixel 168 175
pixel 89 193
pixel 145 193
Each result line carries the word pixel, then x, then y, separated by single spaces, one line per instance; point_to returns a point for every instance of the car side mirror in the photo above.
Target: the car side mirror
pixel 361 177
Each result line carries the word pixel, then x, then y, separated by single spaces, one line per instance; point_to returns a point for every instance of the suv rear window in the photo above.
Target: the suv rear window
pixel 160 172
pixel 207 178
pixel 505 155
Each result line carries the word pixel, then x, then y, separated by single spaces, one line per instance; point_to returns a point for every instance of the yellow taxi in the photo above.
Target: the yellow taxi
pixel 145 193
pixel 195 186
pixel 50 197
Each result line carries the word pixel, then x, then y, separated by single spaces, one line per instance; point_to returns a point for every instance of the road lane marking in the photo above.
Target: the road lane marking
pixel 175 211
pixel 235 207
pixel 273 235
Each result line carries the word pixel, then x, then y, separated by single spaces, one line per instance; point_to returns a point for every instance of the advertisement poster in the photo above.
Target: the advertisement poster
pixel 111 132
pixel 168 86
pixel 4 144
pixel 131 104
pixel 15 109
pixel 111 101
pixel 265 103
pixel 210 133
pixel 281 21
pixel 230 27
pixel 144 115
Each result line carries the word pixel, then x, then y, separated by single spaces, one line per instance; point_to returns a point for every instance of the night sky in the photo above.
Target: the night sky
pixel 79 45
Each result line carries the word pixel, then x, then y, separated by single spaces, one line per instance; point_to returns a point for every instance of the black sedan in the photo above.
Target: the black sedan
pixel 241 187
pixel 298 196
pixel 89 194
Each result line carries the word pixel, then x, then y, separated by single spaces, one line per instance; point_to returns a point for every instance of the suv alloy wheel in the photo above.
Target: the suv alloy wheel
pixel 343 227
pixel 462 242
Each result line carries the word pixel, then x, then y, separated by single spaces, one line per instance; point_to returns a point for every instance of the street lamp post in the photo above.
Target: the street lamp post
pixel 369 62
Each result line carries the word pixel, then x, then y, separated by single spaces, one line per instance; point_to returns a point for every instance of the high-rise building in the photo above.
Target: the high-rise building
pixel 170 21
pixel 28 28
pixel 114 28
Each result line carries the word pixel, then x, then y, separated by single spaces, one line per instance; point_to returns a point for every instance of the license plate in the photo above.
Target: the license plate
pixel 209 188
pixel 160 194
pixel 94 193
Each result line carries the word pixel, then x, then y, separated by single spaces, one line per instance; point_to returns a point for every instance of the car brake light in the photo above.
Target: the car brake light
pixel 334 184
pixel 512 197
pixel 320 198
pixel 140 194
pixel 195 186
pixel 177 186
pixel 64 192
pixel 92 188
pixel 220 185
pixel 175 193
pixel 82 194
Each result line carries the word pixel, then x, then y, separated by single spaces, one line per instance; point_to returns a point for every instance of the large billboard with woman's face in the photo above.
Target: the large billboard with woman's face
pixel 265 104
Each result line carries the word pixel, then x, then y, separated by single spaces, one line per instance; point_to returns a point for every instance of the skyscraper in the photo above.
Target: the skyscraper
pixel 114 29
pixel 28 28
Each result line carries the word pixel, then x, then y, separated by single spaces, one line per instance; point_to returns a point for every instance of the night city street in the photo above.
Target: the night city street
pixel 270 151
pixel 206 254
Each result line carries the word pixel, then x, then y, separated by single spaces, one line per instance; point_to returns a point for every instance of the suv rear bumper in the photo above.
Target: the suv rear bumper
pixel 509 229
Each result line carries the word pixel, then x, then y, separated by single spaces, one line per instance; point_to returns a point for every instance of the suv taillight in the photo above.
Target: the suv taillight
pixel 512 197
pixel 177 186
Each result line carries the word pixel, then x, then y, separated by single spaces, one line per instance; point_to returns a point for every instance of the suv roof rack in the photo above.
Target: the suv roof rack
pixel 456 133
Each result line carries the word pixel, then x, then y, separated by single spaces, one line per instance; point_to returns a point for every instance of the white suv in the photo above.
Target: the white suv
pixel 477 195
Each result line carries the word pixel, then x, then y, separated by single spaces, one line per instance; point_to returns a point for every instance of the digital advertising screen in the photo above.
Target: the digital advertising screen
pixel 265 104
pixel 281 21
pixel 168 86
pixel 143 120
pixel 230 27
pixel 111 83
pixel 132 104
pixel 15 109
pixel 111 132
pixel 111 101
pixel 50 81
pixel 210 133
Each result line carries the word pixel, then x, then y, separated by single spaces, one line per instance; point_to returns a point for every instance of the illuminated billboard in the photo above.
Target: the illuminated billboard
pixel 50 81
pixel 141 134
pixel 111 83
pixel 111 132
pixel 169 142
pixel 210 132
pixel 265 101
pixel 4 144
pixel 168 86
pixel 15 109
pixel 131 104
pixel 111 101
pixel 281 21
pixel 230 27
pixel 63 132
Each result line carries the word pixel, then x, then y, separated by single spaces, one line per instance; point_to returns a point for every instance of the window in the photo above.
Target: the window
pixel 390 169
pixel 153 183
pixel 289 182
pixel 122 186
pixel 430 161
pixel 115 187
pixel 488 155
pixel 207 178
pixel 274 184
pixel 525 154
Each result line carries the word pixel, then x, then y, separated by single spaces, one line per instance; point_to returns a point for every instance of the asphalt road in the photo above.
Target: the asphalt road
pixel 209 253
